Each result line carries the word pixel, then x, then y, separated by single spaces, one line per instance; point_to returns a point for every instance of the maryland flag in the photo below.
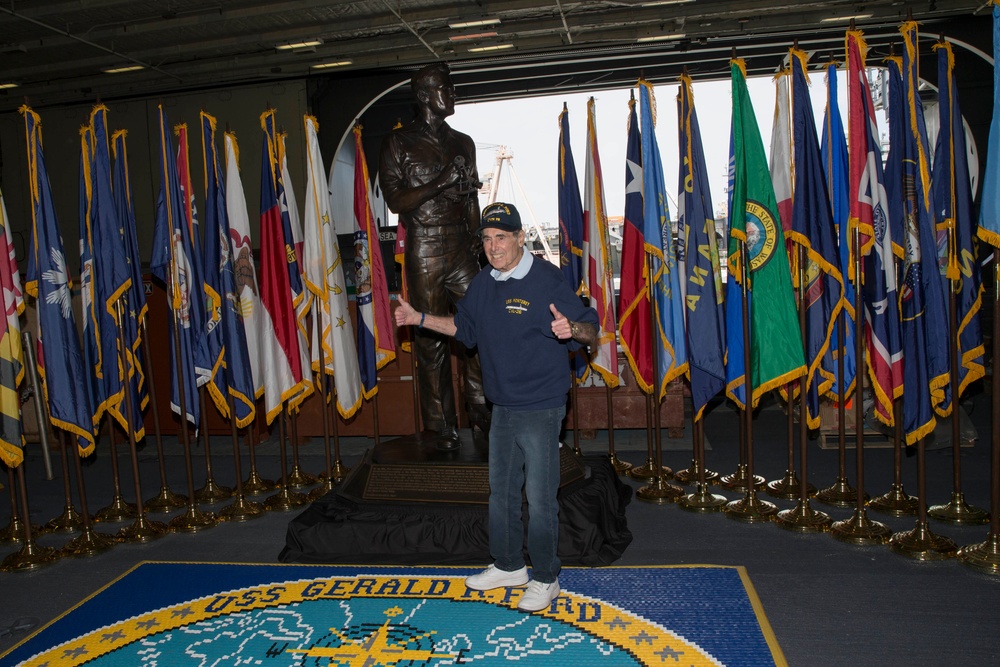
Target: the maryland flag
pixel 11 354
pixel 813 230
pixel 570 210
pixel 597 271
pixel 923 307
pixel 59 354
pixel 665 277
pixel 633 293
pixel 775 343
pixel 953 198
pixel 375 342
pixel 235 379
pixel 989 205
pixel 833 151
pixel 333 348
pixel 699 266
pixel 869 213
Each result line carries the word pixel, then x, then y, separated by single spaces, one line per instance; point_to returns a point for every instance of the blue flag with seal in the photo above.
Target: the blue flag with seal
pixel 172 263
pixel 833 152
pixel 237 379
pixel 669 339
pixel 112 280
pixel 59 353
pixel 923 308
pixel 953 198
pixel 702 284
pixel 135 295
pixel 822 284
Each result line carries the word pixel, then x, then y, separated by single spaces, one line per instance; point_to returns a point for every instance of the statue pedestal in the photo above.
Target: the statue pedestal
pixel 413 469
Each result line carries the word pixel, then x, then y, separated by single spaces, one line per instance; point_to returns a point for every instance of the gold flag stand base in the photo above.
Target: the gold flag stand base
pixel 839 494
pixel 692 474
pixel 193 520
pixel 702 501
pixel 959 512
pixel 621 467
pixel 255 485
pixel 804 519
pixel 751 509
pixel 30 557
pixel 921 544
pixel 660 492
pixel 325 487
pixel 89 543
pixel 212 492
pixel 738 481
pixel 647 472
pixel 298 478
pixel 285 500
pixel 165 501
pixel 242 510
pixel 895 502
pixel 788 487
pixel 118 510
pixel 142 530
pixel 69 521
pixel 339 472
pixel 860 530
pixel 984 557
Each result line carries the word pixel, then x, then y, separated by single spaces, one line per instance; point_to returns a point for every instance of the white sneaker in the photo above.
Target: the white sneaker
pixel 493 577
pixel 538 596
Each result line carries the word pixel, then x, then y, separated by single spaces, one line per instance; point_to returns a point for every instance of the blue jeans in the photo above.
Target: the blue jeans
pixel 524 453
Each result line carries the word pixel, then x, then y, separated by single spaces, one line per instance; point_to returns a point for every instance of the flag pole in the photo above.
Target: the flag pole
pixel 339 469
pixel 13 530
pixel 240 509
pixel 210 492
pixel 621 467
pixel 957 511
pixel 859 529
pixel 31 556
pixel 659 490
pixel 89 542
pixel 70 520
pixel 193 519
pixel 285 499
pixel 298 477
pixel 141 530
pixel 985 556
pixel 750 508
pixel 166 500
pixel 255 485
pixel 325 479
pixel 119 509
pixel 701 500
pixel 802 517
pixel 841 493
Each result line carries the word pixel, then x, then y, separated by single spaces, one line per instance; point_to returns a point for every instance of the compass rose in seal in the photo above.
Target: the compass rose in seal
pixel 762 235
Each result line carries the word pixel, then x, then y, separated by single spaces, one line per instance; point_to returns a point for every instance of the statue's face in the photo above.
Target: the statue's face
pixel 438 95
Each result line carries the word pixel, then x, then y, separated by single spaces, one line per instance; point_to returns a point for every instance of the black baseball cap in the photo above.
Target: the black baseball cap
pixel 501 216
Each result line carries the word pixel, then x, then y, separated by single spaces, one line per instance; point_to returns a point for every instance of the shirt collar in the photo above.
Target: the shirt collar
pixel 518 272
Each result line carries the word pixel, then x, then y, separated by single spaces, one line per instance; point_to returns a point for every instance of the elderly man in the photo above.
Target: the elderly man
pixel 524 317
pixel 428 176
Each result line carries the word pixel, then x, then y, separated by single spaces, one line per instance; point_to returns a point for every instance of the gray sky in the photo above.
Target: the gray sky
pixel 530 130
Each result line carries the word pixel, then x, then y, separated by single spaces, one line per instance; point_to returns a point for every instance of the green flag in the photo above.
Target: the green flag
pixel 776 355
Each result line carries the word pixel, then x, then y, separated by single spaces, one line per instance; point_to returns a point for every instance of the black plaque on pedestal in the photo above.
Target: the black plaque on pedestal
pixel 413 469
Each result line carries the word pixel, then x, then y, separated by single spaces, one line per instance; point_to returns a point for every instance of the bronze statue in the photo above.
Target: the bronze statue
pixel 428 177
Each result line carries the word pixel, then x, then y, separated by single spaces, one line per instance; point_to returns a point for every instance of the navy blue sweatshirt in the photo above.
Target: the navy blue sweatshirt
pixel 524 365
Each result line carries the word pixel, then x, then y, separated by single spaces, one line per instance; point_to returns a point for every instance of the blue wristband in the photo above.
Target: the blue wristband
pixel 422 316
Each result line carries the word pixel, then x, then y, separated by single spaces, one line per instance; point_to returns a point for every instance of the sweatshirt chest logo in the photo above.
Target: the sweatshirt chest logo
pixel 517 306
